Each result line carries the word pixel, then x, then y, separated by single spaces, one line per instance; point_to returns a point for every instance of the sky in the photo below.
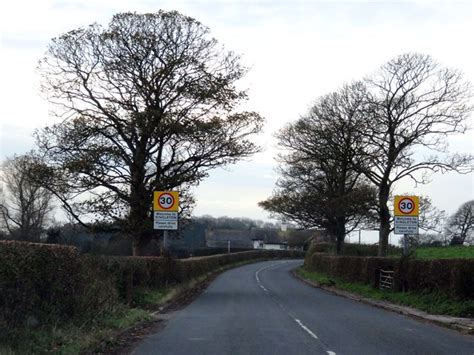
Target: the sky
pixel 296 52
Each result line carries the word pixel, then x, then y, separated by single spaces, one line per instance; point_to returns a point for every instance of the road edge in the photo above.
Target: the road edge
pixel 161 314
pixel 462 325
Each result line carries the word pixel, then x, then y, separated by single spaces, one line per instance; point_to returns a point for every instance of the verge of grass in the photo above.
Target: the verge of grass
pixel 433 303
pixel 72 338
pixel 451 252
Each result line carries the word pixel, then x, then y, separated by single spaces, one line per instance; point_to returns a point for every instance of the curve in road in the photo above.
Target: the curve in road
pixel 262 309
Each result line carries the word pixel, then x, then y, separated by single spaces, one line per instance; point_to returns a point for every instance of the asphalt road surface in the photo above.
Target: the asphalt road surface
pixel 262 309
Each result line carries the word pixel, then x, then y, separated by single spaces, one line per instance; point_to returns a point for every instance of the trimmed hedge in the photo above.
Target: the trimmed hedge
pixel 454 277
pixel 351 249
pixel 47 283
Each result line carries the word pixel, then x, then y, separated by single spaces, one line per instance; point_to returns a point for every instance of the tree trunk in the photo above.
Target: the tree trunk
pixel 339 244
pixel 141 236
pixel 136 247
pixel 384 215
pixel 340 234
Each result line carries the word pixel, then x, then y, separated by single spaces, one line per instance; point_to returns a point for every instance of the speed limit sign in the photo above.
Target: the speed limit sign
pixel 406 206
pixel 166 201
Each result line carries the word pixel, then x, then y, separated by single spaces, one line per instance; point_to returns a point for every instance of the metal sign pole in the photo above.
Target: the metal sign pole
pixel 165 236
pixel 405 244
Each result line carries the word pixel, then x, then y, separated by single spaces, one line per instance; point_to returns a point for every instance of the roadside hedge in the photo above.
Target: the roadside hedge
pixel 454 277
pixel 46 283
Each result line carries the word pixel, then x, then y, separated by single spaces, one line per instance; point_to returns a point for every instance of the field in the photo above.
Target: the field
pixel 455 252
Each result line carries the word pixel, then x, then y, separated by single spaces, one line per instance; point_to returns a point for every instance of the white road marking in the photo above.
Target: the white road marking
pixel 264 268
pixel 306 329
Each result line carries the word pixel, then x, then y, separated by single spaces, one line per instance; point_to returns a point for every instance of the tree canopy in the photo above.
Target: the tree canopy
pixel 147 103
pixel 460 225
pixel 414 104
pixel 319 186
pixel 25 205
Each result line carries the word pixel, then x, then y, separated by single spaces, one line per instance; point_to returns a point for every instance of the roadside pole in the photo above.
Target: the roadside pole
pixel 405 244
pixel 228 247
pixel 165 236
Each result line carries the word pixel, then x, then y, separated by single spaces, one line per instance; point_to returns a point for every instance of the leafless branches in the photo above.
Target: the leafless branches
pixel 25 205
pixel 149 104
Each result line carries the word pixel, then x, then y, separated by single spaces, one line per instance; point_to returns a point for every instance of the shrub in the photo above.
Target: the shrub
pixel 49 283
pixel 453 277
pixel 38 282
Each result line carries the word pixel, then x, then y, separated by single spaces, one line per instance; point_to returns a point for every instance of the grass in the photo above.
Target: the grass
pixel 433 303
pixel 452 252
pixel 72 338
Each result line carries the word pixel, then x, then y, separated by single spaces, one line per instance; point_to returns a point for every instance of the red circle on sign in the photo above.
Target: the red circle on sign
pixel 406 205
pixel 166 201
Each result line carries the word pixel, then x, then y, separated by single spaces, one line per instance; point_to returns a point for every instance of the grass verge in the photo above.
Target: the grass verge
pixel 433 303
pixel 72 338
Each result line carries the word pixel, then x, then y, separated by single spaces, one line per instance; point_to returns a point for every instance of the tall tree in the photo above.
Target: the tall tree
pixel 25 205
pixel 461 224
pixel 431 218
pixel 414 104
pixel 318 185
pixel 149 103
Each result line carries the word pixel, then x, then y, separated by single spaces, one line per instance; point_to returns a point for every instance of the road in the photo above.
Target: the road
pixel 262 309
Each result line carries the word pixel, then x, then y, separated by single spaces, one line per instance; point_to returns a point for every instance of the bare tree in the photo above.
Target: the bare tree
pixel 24 205
pixel 149 103
pixel 414 104
pixel 461 224
pixel 431 218
pixel 318 185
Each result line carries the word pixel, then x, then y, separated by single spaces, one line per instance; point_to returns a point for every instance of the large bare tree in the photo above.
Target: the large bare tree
pixel 319 186
pixel 24 204
pixel 148 103
pixel 460 225
pixel 414 105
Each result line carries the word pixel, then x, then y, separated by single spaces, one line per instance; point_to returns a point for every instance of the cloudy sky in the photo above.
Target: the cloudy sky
pixel 297 51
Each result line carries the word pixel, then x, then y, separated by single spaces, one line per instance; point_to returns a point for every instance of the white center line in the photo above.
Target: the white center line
pixel 306 329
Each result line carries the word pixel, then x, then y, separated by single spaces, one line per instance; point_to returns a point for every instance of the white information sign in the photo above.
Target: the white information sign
pixel 406 225
pixel 165 220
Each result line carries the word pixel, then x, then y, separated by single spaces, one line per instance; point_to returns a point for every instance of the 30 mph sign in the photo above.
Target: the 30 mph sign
pixel 166 201
pixel 406 206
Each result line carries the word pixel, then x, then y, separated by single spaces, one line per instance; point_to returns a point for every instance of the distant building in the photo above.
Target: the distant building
pixel 268 239
pixel 263 238
pixel 260 244
pixel 220 238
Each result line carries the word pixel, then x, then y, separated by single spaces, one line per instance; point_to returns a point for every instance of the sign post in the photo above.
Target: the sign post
pixel 165 212
pixel 406 211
